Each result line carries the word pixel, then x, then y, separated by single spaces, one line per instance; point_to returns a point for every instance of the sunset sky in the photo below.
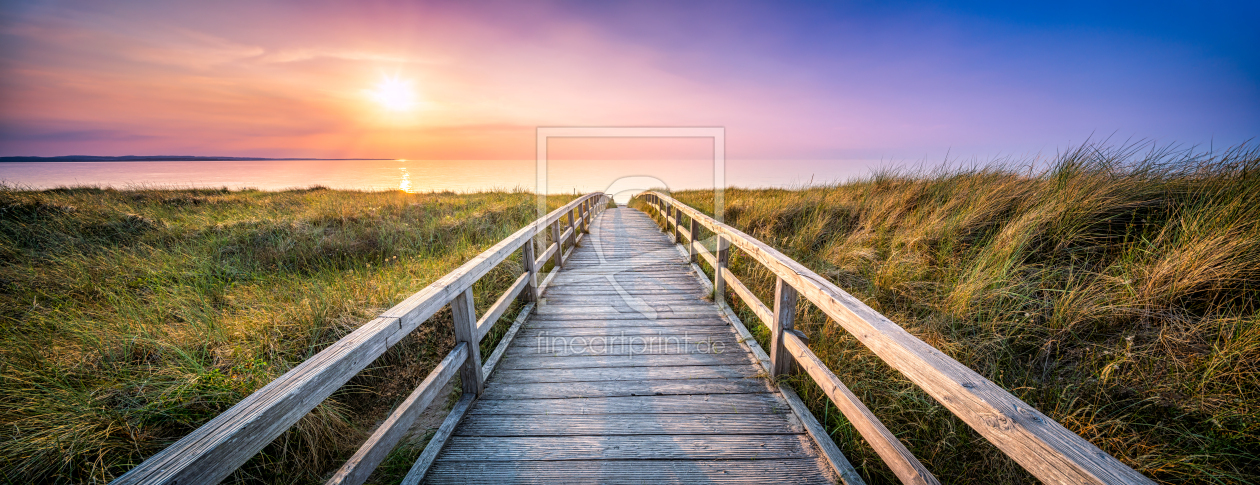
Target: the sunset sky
pixel 811 81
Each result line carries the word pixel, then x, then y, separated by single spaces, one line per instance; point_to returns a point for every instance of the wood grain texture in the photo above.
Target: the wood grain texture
pixel 464 316
pixel 625 409
pixel 496 310
pixel 634 447
pixel 705 255
pixel 821 437
pixel 530 263
pixel 418 470
pixel 748 298
pixel 357 469
pixel 487 368
pixel 756 403
pixel 1041 445
pixel 895 455
pixel 627 424
pixel 616 472
pixel 567 390
pixel 648 360
pixel 784 313
pixel 630 374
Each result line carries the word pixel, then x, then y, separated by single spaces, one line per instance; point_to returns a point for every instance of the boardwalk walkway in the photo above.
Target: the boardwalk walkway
pixel 626 373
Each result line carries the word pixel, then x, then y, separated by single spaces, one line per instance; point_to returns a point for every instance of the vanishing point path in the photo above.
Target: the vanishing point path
pixel 627 372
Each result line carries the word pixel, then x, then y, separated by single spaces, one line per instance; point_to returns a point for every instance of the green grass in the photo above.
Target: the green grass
pixel 1117 290
pixel 128 318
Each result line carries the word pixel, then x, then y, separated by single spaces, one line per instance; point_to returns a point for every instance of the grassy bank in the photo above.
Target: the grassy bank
pixel 129 318
pixel 1117 291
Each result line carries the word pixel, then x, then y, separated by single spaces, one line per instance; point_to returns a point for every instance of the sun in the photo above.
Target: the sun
pixel 394 94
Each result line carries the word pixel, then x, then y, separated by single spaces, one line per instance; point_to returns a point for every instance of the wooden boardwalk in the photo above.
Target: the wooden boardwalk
pixel 627 373
pixel 624 372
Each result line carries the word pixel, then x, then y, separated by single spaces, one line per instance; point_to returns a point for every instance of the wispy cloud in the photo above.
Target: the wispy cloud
pixel 788 81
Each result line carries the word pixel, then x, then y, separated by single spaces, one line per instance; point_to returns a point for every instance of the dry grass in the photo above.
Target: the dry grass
pixel 1117 290
pixel 129 318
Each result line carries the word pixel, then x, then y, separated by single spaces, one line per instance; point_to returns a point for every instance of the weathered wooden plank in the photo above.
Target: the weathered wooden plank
pixel 527 361
pixel 530 264
pixel 642 447
pixel 357 469
pixel 729 371
pixel 576 291
pixel 756 403
pixel 559 242
pixel 567 234
pixel 624 424
pixel 569 390
pixel 541 260
pixel 500 306
pixel 573 321
pixel 895 455
pixel 760 309
pixel 691 240
pixel 702 345
pixel 616 472
pixel 488 367
pixel 601 284
pixel 588 300
pixel 550 310
pixel 1041 445
pixel 829 451
pixel 719 269
pixel 680 280
pixel 465 322
pixel 545 341
pixel 438 441
pixel 546 282
pixel 606 331
pixel 706 255
pixel 784 314
pixel 821 437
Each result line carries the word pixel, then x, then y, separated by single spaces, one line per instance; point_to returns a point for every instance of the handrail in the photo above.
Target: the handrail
pixel 1041 445
pixel 216 449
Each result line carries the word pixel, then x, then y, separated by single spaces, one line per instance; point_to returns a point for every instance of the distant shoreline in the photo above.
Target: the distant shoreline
pixel 161 158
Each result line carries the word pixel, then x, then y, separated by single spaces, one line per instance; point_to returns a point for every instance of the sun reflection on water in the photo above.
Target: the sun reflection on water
pixel 405 183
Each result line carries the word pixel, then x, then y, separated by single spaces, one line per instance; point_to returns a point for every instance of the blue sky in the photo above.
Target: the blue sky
pixel 789 80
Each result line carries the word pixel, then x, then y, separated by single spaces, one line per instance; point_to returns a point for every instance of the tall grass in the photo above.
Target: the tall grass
pixel 1117 290
pixel 128 318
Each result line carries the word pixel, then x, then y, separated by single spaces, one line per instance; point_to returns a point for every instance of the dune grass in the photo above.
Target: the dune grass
pixel 130 317
pixel 1117 290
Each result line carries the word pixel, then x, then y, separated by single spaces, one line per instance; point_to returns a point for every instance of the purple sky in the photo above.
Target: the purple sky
pixel 903 82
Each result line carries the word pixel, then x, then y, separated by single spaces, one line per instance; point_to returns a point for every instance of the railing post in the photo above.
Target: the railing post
pixel 784 312
pixel 555 237
pixel 527 261
pixel 588 216
pixel 465 316
pixel 719 281
pixel 677 226
pixel 691 243
pixel 582 213
pixel 570 223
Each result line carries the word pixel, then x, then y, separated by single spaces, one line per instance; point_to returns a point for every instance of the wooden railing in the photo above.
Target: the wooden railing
pixel 1041 445
pixel 212 452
